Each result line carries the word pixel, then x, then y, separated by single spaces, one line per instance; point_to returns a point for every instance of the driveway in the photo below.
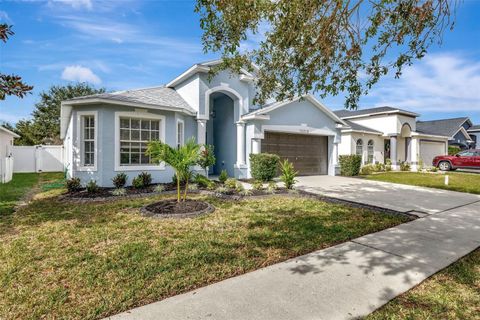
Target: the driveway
pixel 347 281
pixel 398 197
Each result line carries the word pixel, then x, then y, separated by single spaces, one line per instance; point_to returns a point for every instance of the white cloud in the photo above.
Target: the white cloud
pixel 80 74
pixel 75 4
pixel 441 83
pixel 4 17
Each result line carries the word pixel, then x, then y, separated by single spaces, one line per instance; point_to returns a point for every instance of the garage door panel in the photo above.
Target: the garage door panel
pixel 308 154
pixel 429 150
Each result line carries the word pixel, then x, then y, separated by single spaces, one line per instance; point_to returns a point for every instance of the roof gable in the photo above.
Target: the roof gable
pixel 347 114
pixel 442 127
pixel 5 130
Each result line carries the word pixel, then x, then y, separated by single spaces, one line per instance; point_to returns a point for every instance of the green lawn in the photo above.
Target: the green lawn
pixel 453 293
pixel 13 191
pixel 463 182
pixel 61 260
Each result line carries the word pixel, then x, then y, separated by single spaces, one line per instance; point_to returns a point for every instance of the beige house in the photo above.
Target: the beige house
pixel 389 133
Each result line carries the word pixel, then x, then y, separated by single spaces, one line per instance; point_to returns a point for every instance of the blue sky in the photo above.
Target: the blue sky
pixel 130 44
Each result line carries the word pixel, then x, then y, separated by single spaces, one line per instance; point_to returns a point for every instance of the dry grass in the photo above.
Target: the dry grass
pixel 93 260
pixel 453 293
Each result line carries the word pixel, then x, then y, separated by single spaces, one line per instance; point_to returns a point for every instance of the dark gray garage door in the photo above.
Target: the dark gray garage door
pixel 309 154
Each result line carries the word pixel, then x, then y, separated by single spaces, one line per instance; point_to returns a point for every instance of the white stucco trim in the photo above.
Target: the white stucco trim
pixel 366 115
pixel 138 115
pixel 79 140
pixel 295 129
pixel 223 88
pixel 13 134
pixel 431 136
pixel 187 74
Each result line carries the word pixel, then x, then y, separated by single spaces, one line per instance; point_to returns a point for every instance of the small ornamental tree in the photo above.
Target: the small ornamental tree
pixel 181 160
pixel 206 158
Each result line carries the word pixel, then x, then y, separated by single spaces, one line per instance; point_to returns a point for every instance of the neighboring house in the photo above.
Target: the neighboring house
pixel 6 158
pixel 456 129
pixel 385 133
pixel 474 132
pixel 108 133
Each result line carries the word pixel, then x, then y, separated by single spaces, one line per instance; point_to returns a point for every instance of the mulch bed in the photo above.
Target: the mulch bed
pixel 172 209
pixel 104 193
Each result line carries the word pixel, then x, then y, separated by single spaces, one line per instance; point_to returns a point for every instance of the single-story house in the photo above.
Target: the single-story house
pixel 456 129
pixel 385 133
pixel 474 132
pixel 107 133
pixel 6 157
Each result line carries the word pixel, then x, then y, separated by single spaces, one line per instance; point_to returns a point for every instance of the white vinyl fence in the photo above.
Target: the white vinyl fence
pixel 6 169
pixel 38 158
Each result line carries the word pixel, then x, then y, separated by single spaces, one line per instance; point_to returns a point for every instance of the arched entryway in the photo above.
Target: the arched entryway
pixel 222 133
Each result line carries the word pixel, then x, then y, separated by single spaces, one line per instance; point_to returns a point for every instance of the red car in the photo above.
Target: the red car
pixel 465 159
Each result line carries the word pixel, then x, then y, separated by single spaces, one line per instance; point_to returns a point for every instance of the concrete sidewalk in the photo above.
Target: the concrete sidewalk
pixel 347 281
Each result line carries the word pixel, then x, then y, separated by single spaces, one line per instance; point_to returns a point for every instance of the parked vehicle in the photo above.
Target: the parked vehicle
pixel 465 159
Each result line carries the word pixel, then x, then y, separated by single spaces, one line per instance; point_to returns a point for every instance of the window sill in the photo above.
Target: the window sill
pixel 87 169
pixel 140 168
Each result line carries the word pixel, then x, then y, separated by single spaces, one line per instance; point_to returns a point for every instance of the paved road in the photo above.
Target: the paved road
pixel 347 281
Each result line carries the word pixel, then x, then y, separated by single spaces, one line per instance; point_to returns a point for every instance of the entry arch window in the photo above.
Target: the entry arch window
pixel 133 132
pixel 370 151
pixel 359 147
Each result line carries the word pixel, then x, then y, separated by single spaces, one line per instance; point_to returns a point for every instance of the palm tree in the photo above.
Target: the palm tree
pixel 181 160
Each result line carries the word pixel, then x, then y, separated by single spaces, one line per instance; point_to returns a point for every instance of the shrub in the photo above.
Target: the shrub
pixel 367 169
pixel 223 176
pixel 379 167
pixel 159 188
pixel 272 187
pixel 245 192
pixel 203 181
pixel 264 166
pixel 120 180
pixel 92 186
pixel 404 166
pixel 192 187
pixel 453 150
pixel 288 174
pixel 146 178
pixel 222 190
pixel 257 185
pixel 137 182
pixel 388 165
pixel 432 169
pixel 119 192
pixel 74 184
pixel 350 164
pixel 206 158
pixel 231 183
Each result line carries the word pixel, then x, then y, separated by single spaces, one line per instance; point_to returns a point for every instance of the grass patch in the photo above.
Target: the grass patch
pixel 93 260
pixel 453 293
pixel 18 187
pixel 463 182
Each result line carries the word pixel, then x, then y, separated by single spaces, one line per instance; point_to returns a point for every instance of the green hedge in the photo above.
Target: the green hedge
pixel 264 166
pixel 350 164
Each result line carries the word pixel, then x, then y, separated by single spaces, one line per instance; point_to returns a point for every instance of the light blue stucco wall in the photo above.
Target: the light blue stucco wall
pixel 106 143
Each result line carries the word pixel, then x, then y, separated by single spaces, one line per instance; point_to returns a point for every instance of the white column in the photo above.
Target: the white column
pixel 393 152
pixel 201 131
pixel 240 143
pixel 414 150
pixel 256 145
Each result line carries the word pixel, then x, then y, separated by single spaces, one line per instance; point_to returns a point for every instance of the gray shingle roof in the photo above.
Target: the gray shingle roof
pixel 474 128
pixel 443 127
pixel 352 113
pixel 156 96
pixel 357 127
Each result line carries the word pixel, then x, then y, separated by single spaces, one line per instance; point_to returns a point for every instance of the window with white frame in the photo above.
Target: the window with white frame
pixel 88 140
pixel 180 134
pixel 135 133
pixel 370 148
pixel 359 149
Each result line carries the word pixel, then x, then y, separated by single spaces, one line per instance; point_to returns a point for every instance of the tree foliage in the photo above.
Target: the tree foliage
pixel 44 127
pixel 11 84
pixel 329 47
